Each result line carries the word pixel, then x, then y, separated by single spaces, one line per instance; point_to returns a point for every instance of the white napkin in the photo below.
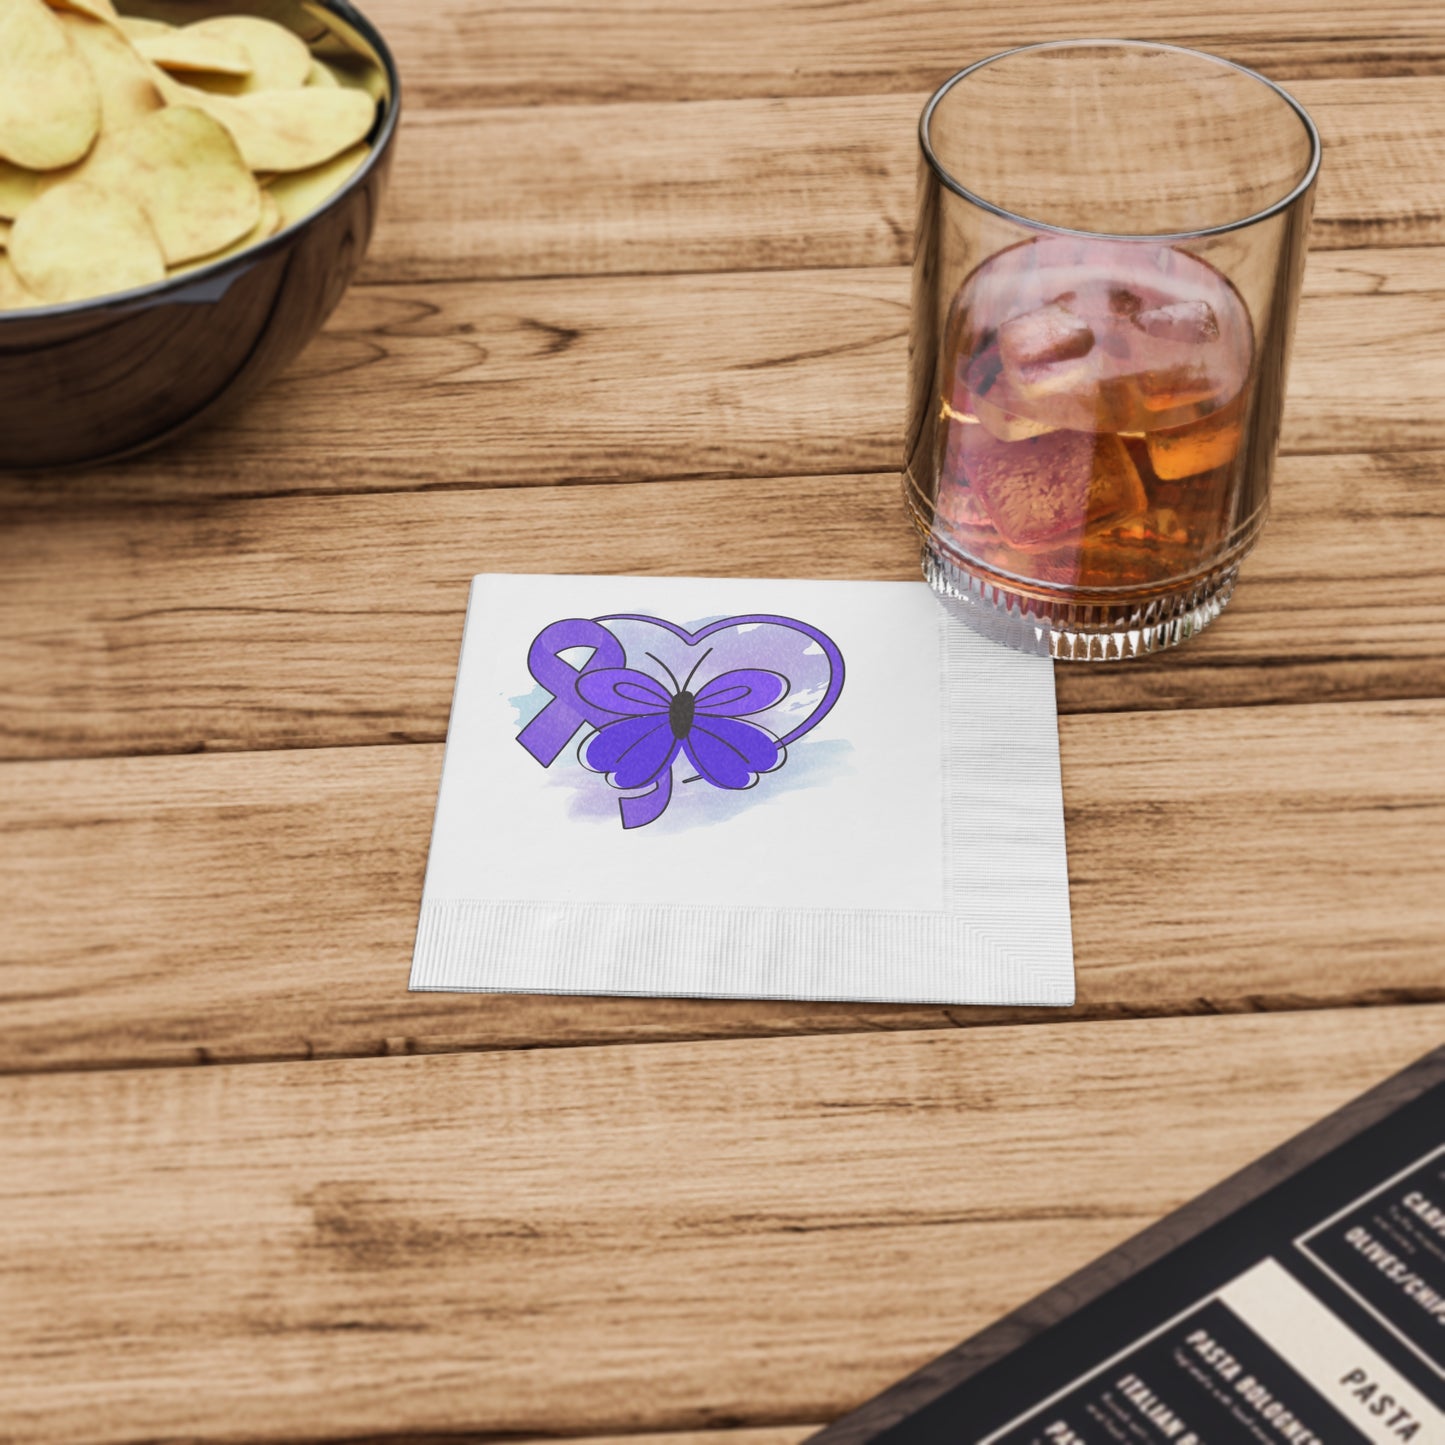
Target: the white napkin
pixel 745 788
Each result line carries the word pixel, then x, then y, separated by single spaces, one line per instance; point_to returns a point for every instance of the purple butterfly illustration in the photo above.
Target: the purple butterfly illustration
pixel 710 726
pixel 635 724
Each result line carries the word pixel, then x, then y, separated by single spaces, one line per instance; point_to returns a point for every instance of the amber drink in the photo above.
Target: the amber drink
pixel 1096 415
pixel 1093 416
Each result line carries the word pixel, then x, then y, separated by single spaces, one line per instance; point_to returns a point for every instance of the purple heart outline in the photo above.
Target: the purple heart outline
pixel 559 721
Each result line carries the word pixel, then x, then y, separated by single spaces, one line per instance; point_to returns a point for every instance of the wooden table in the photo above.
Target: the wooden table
pixel 642 280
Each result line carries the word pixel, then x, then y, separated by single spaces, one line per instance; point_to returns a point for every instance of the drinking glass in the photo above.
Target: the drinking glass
pixel 1110 242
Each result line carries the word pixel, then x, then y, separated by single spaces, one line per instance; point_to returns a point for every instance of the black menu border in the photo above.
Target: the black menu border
pixel 1154 1246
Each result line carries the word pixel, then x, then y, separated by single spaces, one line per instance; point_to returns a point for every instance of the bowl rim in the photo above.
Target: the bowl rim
pixel 206 273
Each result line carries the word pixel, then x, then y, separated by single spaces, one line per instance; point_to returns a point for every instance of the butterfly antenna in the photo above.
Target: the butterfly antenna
pixel 670 677
pixel 695 667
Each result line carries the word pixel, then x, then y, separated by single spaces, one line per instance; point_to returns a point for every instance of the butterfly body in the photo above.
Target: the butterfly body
pixel 680 713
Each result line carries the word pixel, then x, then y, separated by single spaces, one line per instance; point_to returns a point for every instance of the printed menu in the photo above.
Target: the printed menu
pixel 1301 1303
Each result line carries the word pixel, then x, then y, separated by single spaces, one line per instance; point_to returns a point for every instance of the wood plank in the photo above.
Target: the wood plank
pixel 262 906
pixel 725 185
pixel 1375 272
pixel 307 622
pixel 602 1240
pixel 457 53
pixel 640 378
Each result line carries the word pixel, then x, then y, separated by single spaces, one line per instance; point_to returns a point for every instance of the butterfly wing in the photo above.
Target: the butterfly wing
pixel 731 753
pixel 633 751
pixel 744 690
pixel 623 690
pixel 639 746
pixel 727 751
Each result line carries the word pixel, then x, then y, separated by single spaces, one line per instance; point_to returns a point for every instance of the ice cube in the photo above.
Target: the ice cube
pixel 1170 377
pixel 1171 388
pixel 1054 369
pixel 1042 337
pixel 989 398
pixel 960 510
pixel 1089 393
pixel 1192 322
pixel 1185 451
pixel 1044 490
pixel 1006 425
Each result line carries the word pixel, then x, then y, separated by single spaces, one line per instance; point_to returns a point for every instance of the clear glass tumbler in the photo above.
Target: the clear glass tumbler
pixel 1110 242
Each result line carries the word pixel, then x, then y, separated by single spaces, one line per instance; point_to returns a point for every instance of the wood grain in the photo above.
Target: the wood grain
pixel 455 53
pixel 639 302
pixel 469 385
pixel 606 1240
pixel 307 622
pixel 769 184
pixel 261 906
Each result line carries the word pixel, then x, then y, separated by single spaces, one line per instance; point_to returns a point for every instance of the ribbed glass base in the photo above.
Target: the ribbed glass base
pixel 1078 631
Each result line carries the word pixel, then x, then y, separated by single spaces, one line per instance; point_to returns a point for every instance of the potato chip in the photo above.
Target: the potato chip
pixel 49 105
pixel 283 130
pixel 190 49
pixel 298 193
pixel 263 230
pixel 5 234
pixel 18 187
pixel 134 27
pixel 181 167
pixel 13 295
pixel 96 9
pixel 322 76
pixel 78 241
pixel 279 59
pixel 214 84
pixel 127 93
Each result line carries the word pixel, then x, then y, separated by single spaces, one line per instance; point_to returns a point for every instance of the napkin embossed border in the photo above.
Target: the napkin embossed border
pixel 1001 935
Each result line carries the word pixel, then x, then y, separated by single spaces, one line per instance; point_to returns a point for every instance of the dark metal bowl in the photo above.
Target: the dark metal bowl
pixel 97 379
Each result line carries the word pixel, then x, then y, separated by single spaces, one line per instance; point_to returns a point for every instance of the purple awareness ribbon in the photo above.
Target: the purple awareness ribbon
pixel 556 725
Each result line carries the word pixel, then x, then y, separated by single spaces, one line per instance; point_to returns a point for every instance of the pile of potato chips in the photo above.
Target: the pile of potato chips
pixel 132 150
